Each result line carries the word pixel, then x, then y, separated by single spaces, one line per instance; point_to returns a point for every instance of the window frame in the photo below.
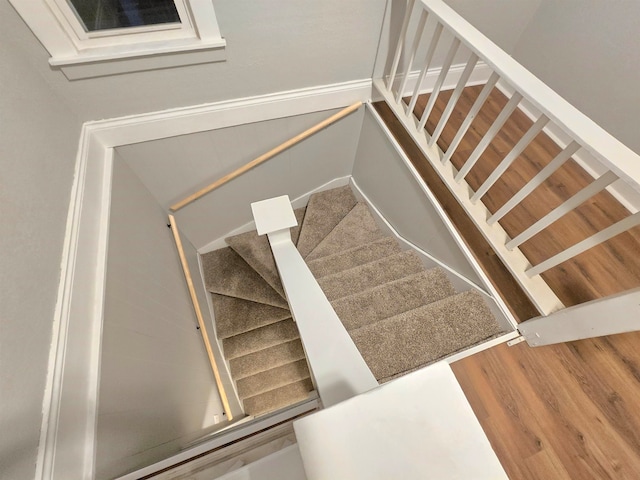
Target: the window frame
pixel 83 39
pixel 80 55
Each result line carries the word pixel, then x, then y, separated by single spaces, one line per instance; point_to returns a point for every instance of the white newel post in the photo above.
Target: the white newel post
pixel 338 370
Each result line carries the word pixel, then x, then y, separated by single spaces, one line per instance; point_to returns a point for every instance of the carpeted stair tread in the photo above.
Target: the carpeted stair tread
pixel 278 398
pixel 369 275
pixel 423 335
pixel 260 338
pixel 266 359
pixel 226 273
pixel 235 315
pixel 356 228
pixel 393 298
pixel 274 378
pixel 255 250
pixel 354 257
pixel 324 211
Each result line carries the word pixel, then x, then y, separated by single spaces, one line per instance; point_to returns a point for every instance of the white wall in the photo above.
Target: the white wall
pixel 38 142
pixel 157 391
pixel 272 46
pixel 588 52
pixel 175 167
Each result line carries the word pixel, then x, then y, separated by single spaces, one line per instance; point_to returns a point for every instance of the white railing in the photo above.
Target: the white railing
pixel 338 370
pixel 431 25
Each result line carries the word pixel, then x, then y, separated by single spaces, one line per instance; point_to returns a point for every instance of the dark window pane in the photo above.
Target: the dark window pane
pixel 105 14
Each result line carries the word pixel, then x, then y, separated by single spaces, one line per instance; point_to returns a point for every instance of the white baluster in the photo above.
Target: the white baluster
pixel 535 182
pixel 412 55
pixel 464 78
pixel 515 152
pixel 436 89
pixel 596 239
pixel 477 105
pixel 427 62
pixel 587 192
pixel 400 46
pixel 511 105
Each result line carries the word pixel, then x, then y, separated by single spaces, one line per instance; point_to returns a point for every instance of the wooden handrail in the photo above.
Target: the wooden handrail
pixel 196 306
pixel 266 156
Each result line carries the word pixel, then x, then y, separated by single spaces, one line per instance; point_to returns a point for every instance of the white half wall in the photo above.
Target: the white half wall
pixel 38 142
pixel 588 52
pixel 175 167
pixel 157 391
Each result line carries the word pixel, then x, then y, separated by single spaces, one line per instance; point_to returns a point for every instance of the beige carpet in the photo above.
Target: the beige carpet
pixel 400 315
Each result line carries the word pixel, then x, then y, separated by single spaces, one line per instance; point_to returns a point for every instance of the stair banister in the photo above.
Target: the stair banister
pixel 338 370
pixel 600 143
pixel 606 159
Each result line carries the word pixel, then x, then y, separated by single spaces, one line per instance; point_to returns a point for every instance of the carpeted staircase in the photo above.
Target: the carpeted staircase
pixel 400 315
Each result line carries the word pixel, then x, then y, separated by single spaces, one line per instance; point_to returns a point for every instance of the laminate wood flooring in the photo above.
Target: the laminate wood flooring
pixel 568 411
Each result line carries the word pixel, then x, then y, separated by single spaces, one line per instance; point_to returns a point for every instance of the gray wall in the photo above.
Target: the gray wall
pixel 384 178
pixel 38 143
pixel 157 391
pixel 503 21
pixel 272 46
pixel 587 51
pixel 173 168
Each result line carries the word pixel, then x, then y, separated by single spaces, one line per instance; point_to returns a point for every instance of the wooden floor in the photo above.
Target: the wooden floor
pixel 569 411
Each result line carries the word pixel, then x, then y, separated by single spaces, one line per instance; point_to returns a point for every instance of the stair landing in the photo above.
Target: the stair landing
pixel 400 430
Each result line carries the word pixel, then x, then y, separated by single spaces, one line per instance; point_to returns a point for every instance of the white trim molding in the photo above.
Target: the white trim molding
pixel 479 76
pixel 616 314
pixel 197 40
pixel 67 441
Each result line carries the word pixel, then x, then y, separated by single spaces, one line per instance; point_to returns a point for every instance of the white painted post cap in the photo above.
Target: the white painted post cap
pixel 273 214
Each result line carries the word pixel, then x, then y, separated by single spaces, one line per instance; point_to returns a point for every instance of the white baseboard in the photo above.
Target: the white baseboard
pixel 480 76
pixel 621 191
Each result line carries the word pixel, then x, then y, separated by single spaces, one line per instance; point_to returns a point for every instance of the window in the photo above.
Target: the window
pixel 89 38
pixel 97 15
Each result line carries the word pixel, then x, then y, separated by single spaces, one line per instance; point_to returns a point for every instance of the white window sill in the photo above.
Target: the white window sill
pixel 101 62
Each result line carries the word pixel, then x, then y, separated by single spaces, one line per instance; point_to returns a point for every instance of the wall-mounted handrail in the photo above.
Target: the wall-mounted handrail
pixel 266 156
pixel 201 324
pixel 338 370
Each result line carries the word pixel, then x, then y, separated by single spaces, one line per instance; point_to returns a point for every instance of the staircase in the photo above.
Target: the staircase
pixel 400 315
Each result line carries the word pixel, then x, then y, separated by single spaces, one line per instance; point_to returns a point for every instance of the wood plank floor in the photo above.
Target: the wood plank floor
pixel 568 411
